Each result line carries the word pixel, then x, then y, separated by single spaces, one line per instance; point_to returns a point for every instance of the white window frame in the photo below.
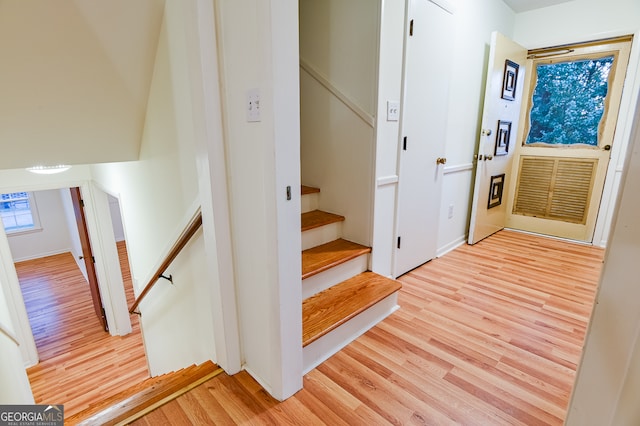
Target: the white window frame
pixel 35 216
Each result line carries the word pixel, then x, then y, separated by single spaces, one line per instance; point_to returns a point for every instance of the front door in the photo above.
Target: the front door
pixel 564 147
pixel 87 255
pixel 500 118
pixel 429 32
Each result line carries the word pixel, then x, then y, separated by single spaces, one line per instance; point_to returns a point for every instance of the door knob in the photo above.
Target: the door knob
pixel 488 157
pixel 441 160
pixel 80 257
pixel 607 147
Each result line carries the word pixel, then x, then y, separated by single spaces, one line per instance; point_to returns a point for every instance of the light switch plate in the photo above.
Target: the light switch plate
pixel 393 110
pixel 253 105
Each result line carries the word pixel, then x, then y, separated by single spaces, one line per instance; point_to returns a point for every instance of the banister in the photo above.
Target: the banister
pixel 182 241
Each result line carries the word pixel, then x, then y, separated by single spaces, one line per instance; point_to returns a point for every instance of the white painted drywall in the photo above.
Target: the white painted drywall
pixel 608 379
pixel 339 39
pixel 75 80
pixel 592 20
pixel 52 239
pixel 116 218
pixel 259 50
pixel 158 196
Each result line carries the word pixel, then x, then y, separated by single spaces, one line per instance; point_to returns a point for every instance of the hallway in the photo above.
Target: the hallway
pixel 79 362
pixel 488 334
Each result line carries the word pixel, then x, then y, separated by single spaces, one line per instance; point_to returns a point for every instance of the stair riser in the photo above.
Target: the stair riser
pixel 330 277
pixel 309 202
pixel 324 234
pixel 320 350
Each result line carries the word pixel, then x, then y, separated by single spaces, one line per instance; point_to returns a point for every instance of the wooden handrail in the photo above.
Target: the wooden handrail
pixel 182 241
pixel 9 334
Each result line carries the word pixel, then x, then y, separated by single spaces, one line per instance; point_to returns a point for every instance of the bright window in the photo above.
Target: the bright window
pixel 568 101
pixel 19 212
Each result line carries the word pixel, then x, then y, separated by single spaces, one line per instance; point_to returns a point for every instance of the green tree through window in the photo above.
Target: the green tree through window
pixel 569 101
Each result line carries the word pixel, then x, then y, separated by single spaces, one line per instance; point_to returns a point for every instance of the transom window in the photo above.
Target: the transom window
pixel 19 212
pixel 569 101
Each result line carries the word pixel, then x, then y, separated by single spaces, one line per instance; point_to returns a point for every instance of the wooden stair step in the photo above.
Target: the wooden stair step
pixel 326 256
pixel 336 305
pixel 145 397
pixel 304 190
pixel 318 218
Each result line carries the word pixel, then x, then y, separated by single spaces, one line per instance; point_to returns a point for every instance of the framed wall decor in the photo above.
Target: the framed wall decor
pixel 503 136
pixel 509 80
pixel 495 191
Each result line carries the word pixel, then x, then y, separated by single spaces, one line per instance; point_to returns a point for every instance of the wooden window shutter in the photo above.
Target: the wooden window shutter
pixel 555 188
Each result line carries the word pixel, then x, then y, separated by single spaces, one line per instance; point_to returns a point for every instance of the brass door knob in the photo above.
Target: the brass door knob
pixel 441 160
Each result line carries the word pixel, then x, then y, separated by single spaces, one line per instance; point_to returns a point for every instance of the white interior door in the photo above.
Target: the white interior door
pixel 424 115
pixel 502 100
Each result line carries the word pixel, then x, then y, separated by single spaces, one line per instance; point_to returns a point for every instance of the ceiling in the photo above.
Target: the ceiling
pixel 75 79
pixel 526 5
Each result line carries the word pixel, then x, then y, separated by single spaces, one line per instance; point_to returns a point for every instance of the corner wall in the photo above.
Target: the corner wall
pixel 259 50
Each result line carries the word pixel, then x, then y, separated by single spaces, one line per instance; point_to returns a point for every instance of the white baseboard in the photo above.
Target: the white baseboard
pixel 41 255
pixel 451 246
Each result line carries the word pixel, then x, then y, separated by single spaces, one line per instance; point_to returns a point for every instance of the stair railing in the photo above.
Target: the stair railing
pixel 180 243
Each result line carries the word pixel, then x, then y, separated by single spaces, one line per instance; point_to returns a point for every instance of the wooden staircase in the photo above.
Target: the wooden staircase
pixel 341 298
pixel 144 397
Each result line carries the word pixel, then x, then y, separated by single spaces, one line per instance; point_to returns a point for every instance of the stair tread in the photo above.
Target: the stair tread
pixel 326 256
pixel 334 306
pixel 304 190
pixel 142 395
pixel 318 218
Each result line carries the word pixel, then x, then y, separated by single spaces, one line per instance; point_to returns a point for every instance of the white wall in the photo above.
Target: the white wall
pixel 75 80
pixel 116 218
pixel 339 44
pixel 259 50
pixel 158 195
pixel 592 20
pixel 608 379
pixel 52 239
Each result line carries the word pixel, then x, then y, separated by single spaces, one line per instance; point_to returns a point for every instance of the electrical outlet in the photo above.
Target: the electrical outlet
pixel 253 105
pixel 393 110
pixel 450 213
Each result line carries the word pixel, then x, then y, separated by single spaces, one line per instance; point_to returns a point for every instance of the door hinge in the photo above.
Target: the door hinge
pixel 398 242
pixel 411 28
pixel 93 259
pixel 404 143
pixel 81 203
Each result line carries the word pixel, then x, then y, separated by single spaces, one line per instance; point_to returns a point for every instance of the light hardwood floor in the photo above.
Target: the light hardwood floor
pixel 486 335
pixel 80 363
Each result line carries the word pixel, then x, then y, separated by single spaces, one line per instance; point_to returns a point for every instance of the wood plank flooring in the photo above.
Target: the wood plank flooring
pixel 486 335
pixel 80 363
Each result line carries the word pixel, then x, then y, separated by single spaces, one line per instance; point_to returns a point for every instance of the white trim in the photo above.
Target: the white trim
pixel 451 246
pixel 41 255
pixel 386 180
pixel 9 334
pixel 445 5
pixel 467 167
pixel 346 100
